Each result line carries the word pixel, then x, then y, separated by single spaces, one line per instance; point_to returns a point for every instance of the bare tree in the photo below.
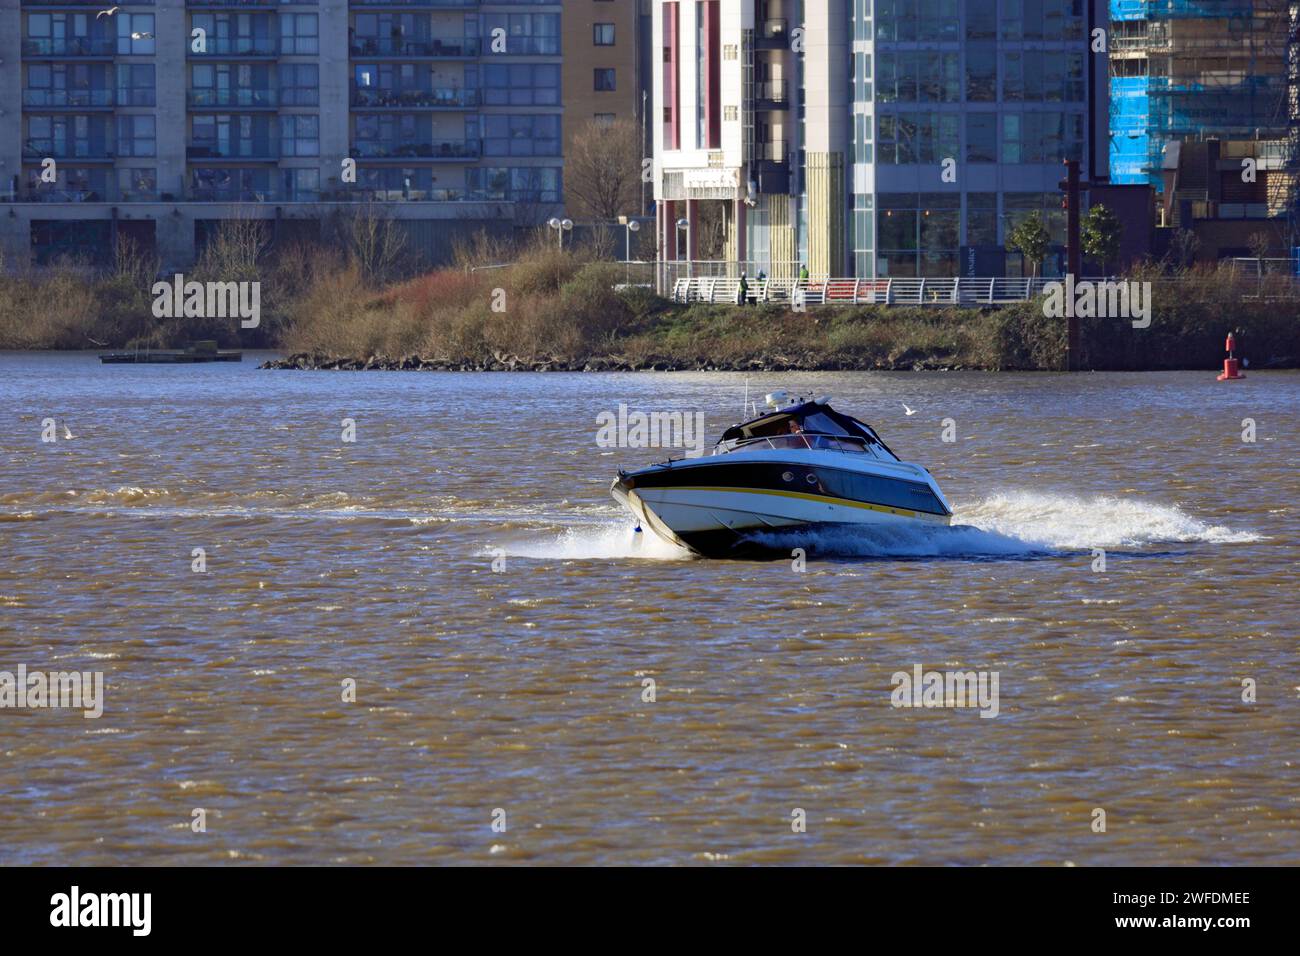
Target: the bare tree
pixel 1184 247
pixel 375 242
pixel 232 251
pixel 602 172
pixel 132 265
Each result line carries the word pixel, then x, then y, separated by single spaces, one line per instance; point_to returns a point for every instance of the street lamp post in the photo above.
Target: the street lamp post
pixel 561 226
pixel 684 225
pixel 630 226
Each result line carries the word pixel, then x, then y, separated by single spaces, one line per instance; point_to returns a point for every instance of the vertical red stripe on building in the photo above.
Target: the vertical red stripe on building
pixel 713 75
pixel 672 66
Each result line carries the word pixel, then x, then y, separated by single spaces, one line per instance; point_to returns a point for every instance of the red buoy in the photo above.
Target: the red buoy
pixel 1231 367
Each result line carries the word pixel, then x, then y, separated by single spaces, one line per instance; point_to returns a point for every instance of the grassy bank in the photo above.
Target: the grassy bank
pixel 556 311
pixel 553 310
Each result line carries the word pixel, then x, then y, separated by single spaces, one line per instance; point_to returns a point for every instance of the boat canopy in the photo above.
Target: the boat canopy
pixel 813 417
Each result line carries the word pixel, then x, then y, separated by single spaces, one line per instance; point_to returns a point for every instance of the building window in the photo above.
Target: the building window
pixel 135 84
pixel 605 82
pixel 602 34
pixel 981 137
pixel 536 184
pixel 136 185
pixel 521 84
pixel 300 135
pixel 299 84
pixel 298 33
pixel 135 34
pixel 302 185
pixel 730 114
pixel 527 34
pixel 527 135
pixel 136 136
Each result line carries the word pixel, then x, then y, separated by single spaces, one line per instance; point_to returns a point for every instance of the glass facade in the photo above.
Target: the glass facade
pixel 959 97
pixel 445 100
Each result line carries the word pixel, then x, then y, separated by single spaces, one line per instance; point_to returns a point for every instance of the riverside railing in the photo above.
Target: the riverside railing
pixel 992 291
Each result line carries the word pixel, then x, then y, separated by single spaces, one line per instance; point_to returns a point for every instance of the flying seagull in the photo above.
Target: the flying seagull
pixel 910 411
pixel 106 13
pixel 67 433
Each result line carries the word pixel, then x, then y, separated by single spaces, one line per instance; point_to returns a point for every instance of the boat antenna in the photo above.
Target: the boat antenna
pixel 744 409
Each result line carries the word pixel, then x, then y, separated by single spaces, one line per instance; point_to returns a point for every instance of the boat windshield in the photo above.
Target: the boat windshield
pixel 802 440
pixel 809 425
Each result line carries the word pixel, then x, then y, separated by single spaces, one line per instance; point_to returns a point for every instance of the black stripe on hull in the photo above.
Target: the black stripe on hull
pixel 828 481
pixel 744 545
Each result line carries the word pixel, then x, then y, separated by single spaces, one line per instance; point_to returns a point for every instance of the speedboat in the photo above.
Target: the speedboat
pixel 799 466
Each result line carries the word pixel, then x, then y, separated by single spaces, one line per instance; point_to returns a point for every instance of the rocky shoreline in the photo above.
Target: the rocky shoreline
pixel 905 362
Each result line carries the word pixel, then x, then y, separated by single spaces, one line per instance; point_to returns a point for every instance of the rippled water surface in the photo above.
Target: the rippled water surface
pixel 523 690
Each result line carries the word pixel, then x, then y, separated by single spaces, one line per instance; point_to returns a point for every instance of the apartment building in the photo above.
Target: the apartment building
pixel 602 62
pixel 160 118
pixel 873 137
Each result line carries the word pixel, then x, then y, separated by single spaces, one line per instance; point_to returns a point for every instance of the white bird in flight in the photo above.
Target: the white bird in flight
pixel 106 13
pixel 67 433
pixel 910 411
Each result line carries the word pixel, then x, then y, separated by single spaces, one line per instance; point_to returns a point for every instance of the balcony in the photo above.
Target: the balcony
pixel 67 99
pixel 233 192
pixel 443 149
pixel 238 47
pixel 237 98
pixel 771 95
pixel 373 97
pixel 772 35
pixel 248 151
pixel 69 46
pixel 372 193
pixel 84 150
pixel 770 168
pixel 242 4
pixel 76 192
pixel 450 47
pixel 438 4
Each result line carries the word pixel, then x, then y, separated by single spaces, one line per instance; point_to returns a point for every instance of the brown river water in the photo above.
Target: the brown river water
pixel 521 691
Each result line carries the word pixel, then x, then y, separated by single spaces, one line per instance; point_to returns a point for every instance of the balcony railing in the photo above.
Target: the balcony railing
pixel 59 99
pixel 446 4
pixel 140 97
pixel 232 193
pixel 52 193
pixel 250 151
pixel 770 94
pixel 776 151
pixel 238 46
pixel 444 149
pixel 65 149
pixel 232 97
pixel 423 46
pixel 69 46
pixel 360 193
pixel 80 3
pixel 533 46
pixel 380 98
pixel 264 4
